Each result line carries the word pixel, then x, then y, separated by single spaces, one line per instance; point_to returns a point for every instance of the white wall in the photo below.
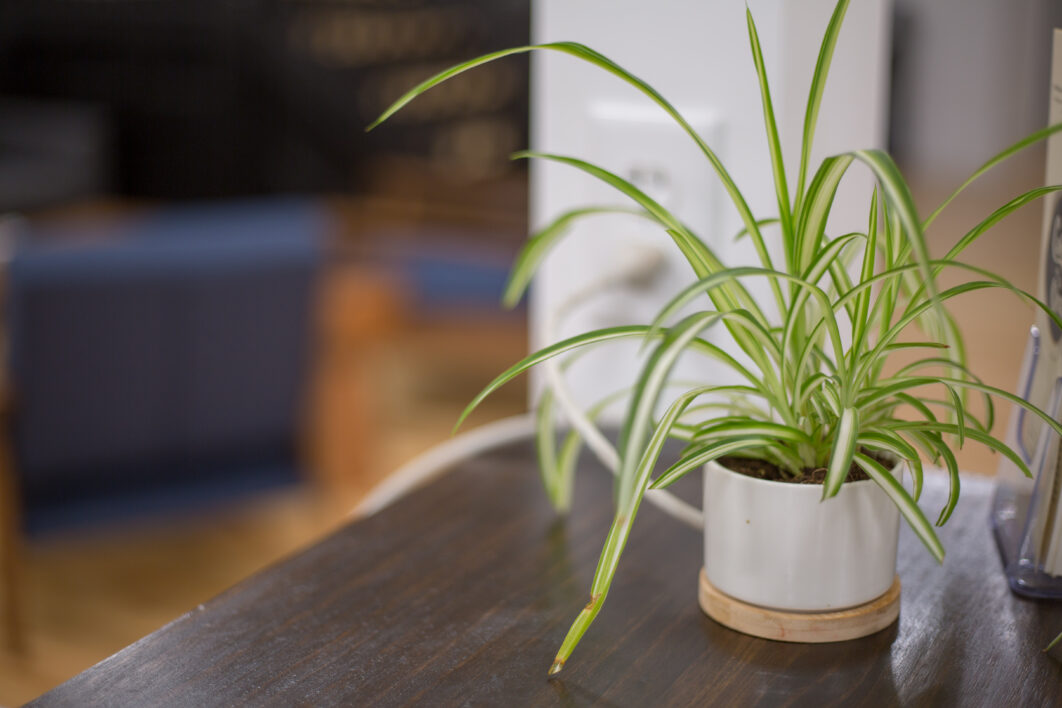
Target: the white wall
pixel 696 54
pixel 971 79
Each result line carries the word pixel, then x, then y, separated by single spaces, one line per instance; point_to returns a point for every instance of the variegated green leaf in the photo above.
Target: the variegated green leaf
pixel 915 518
pixel 590 338
pixel 536 248
pixel 774 145
pixel 1014 149
pixel 818 87
pixel 546 447
pixel 844 443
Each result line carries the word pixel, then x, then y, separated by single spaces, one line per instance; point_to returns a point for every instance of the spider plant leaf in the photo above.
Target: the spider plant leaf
pixel 738 393
pixel 575 633
pixel 991 280
pixel 818 87
pixel 896 346
pixel 701 258
pixel 571 447
pixel 1017 147
pixel 647 391
pixel 842 283
pixel 996 216
pixel 587 54
pixel 971 419
pixel 1054 643
pixel 815 400
pixel 687 244
pixel 815 211
pixel 706 261
pixel 755 340
pixel 712 451
pixel 829 255
pixel 567 461
pixel 917 404
pixel 897 272
pixel 935 361
pixel 916 311
pixel 781 188
pixel 638 471
pixel 916 381
pixel 829 393
pixel 809 386
pixel 723 280
pixel 955 403
pixel 742 409
pixel 978 436
pixel 796 314
pixel 920 440
pixel 910 510
pixel 844 445
pixel 900 200
pixel 704 286
pixel 888 441
pixel 441 77
pixel 861 320
pixel 803 358
pixel 952 465
pixel 586 339
pixel 546 447
pixel 742 426
pixel 656 443
pixel 720 355
pixel 716 280
pixel 631 484
pixel 538 245
pixel 957 353
pixel 760 223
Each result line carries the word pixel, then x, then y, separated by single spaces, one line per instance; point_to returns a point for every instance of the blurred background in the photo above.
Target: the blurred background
pixel 228 312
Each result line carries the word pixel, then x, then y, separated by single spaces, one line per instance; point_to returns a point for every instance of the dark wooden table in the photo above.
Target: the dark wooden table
pixel 461 592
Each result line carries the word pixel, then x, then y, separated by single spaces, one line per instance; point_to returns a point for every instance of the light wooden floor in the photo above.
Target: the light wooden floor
pixel 87 595
pixel 90 594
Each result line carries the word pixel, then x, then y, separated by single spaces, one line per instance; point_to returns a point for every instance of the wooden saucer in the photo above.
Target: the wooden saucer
pixel 806 627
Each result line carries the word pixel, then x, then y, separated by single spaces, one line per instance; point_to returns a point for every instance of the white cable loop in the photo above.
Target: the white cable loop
pixel 638 270
pixel 426 466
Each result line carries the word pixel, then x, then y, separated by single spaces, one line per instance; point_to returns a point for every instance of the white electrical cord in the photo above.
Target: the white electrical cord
pixel 430 464
pixel 641 268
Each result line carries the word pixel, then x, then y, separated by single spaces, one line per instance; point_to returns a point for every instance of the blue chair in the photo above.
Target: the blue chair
pixel 160 365
pixel 154 366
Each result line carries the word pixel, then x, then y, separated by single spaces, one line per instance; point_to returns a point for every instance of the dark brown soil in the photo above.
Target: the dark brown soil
pixel 765 470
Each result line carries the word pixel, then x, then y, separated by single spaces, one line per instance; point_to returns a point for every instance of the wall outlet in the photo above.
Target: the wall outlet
pixel 696 55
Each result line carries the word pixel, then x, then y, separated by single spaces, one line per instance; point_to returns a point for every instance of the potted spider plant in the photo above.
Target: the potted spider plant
pixel 819 429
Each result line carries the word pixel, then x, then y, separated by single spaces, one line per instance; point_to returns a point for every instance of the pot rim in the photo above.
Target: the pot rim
pixel 816 488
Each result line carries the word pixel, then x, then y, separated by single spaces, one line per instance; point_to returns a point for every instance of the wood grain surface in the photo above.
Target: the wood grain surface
pixel 461 593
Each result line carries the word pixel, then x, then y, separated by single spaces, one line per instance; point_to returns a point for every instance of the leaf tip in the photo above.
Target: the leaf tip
pixel 555 669
pixel 511 297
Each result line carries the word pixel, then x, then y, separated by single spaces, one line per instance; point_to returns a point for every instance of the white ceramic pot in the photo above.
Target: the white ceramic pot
pixel 777 545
